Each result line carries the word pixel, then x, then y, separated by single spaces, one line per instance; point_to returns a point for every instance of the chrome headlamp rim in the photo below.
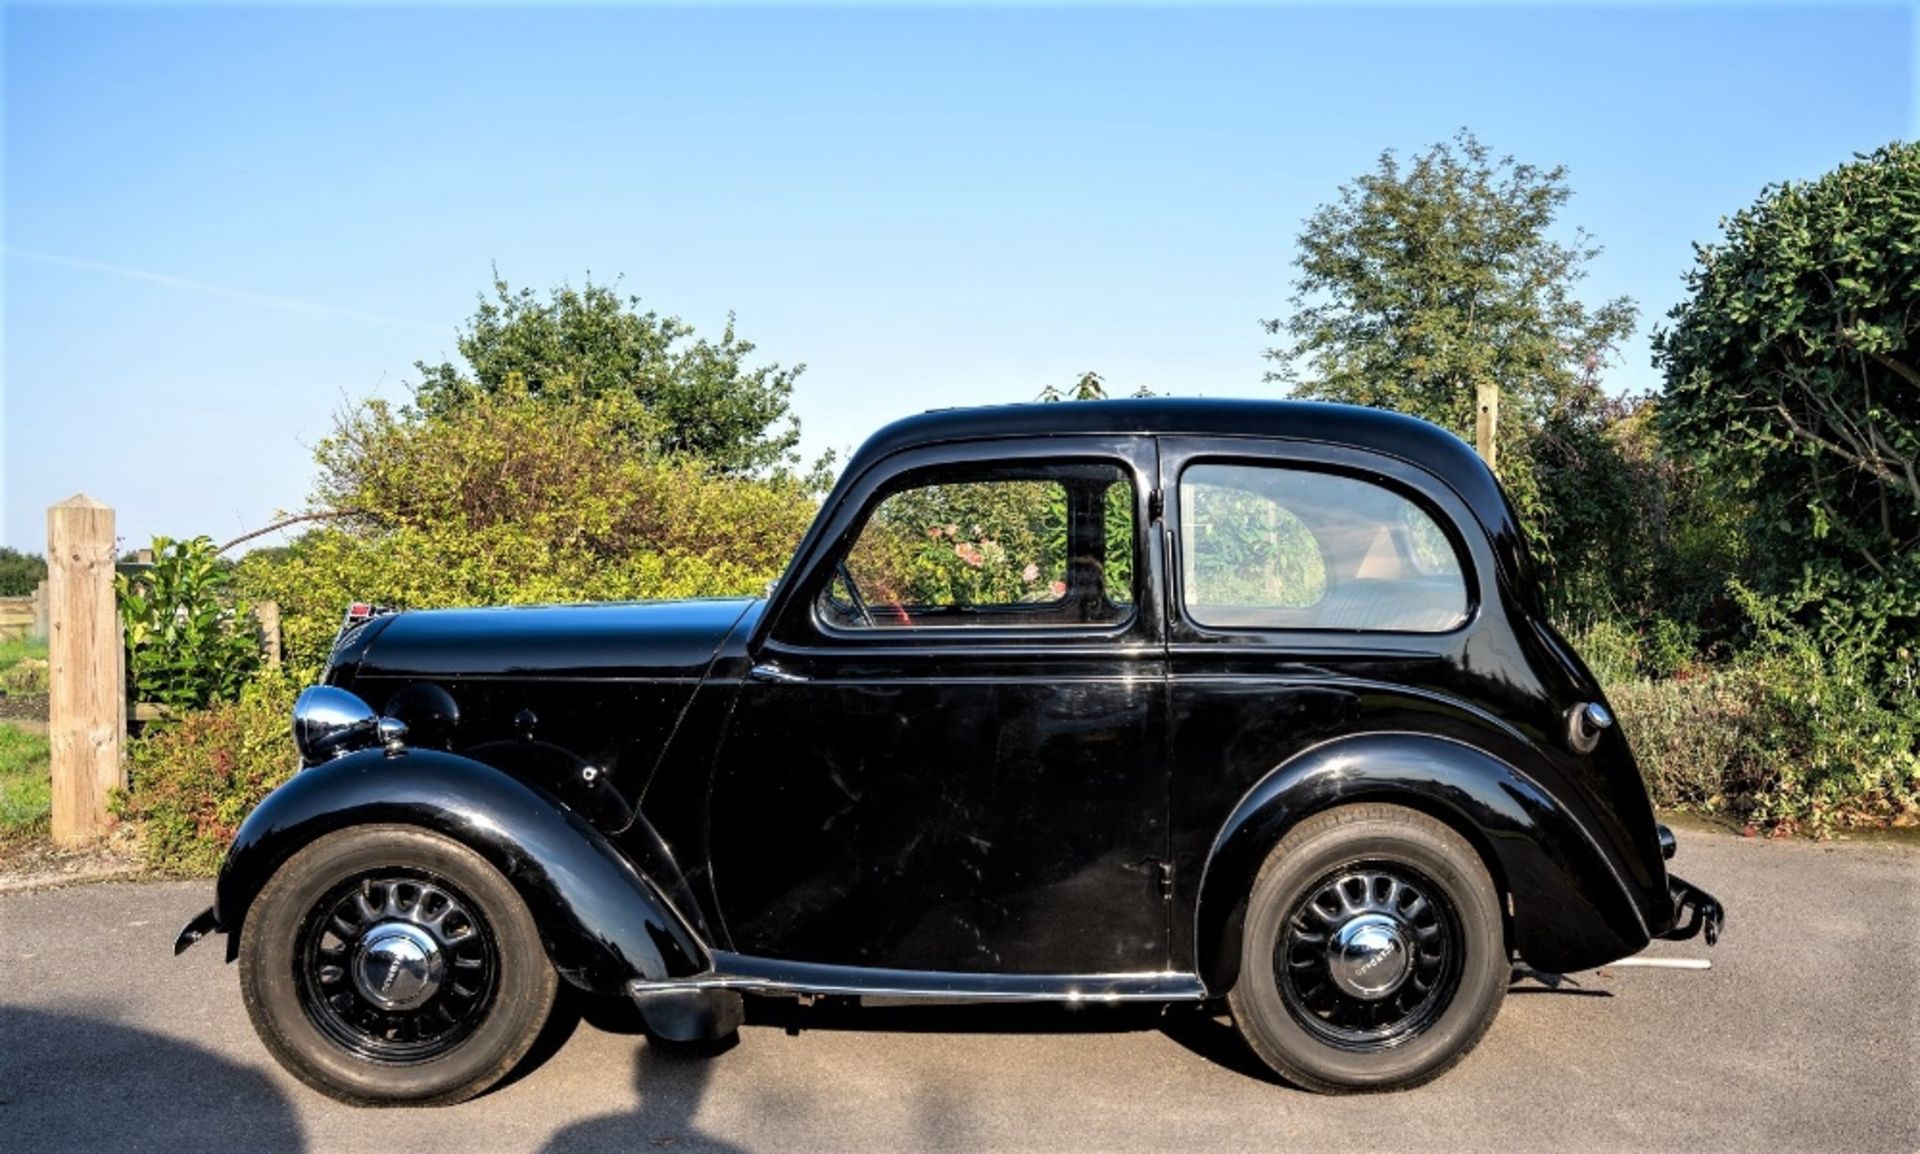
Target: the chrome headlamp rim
pixel 330 722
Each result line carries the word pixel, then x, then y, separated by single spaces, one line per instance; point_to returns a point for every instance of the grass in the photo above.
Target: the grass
pixel 16 650
pixel 26 792
pixel 12 653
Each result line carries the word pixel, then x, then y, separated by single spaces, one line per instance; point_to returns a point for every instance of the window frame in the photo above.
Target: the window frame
pixel 928 477
pixel 1428 493
pixel 796 620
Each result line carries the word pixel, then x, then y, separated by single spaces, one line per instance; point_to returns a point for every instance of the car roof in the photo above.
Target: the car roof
pixel 1413 440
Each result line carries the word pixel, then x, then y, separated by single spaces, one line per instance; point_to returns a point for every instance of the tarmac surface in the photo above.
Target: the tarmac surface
pixel 1805 1035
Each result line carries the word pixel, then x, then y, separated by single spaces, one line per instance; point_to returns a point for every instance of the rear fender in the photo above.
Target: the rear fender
pixel 603 922
pixel 1569 908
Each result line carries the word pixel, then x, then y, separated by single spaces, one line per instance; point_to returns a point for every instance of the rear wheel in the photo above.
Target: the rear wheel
pixel 387 964
pixel 1374 955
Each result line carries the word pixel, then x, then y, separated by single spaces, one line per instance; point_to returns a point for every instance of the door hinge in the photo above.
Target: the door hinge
pixel 1156 505
pixel 1165 870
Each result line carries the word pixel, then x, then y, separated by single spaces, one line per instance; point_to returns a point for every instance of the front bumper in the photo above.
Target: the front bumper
pixel 203 923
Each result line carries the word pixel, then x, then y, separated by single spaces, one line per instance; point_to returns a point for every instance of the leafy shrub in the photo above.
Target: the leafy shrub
pixel 1796 732
pixel 1617 651
pixel 1637 536
pixel 195 779
pixel 189 641
pixel 703 397
pixel 1694 740
pixel 1793 375
pixel 509 499
pixel 1839 719
pixel 20 572
pixel 1610 649
pixel 27 677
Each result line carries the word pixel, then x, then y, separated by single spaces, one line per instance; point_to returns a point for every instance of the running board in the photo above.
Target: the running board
pixel 769 976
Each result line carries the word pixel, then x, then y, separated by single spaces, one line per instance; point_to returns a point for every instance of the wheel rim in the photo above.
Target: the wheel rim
pixel 1370 956
pixel 396 966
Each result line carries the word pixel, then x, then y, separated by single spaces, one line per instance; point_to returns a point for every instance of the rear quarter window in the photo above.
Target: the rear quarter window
pixel 1273 547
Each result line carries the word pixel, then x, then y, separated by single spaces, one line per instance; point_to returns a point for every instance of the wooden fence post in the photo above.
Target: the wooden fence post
pixel 267 615
pixel 87 698
pixel 1486 422
pixel 38 630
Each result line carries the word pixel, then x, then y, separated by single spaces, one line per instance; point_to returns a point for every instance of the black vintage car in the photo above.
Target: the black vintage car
pixel 1154 700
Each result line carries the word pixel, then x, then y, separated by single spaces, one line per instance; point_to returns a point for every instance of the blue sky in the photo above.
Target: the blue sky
pixel 223 223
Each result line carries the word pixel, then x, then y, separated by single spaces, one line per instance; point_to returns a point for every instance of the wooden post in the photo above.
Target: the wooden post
pixel 1486 423
pixel 266 614
pixel 38 631
pixel 87 700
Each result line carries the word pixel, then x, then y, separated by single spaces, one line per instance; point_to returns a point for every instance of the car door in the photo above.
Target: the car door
pixel 949 753
pixel 1316 591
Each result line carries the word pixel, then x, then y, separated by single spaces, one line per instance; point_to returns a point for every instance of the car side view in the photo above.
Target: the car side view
pixel 1248 703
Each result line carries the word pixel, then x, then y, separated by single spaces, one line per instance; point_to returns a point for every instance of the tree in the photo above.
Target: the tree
pixel 190 642
pixel 1422 281
pixel 705 400
pixel 1649 541
pixel 1089 386
pixel 20 572
pixel 509 498
pixel 1793 373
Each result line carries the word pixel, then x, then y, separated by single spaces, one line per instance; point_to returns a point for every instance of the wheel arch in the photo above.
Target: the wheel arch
pixel 603 920
pixel 1565 906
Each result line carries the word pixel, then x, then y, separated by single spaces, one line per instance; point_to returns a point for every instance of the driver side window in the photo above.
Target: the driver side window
pixel 1014 547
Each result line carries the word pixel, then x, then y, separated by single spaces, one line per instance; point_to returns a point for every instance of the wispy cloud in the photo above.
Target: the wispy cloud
pixel 247 296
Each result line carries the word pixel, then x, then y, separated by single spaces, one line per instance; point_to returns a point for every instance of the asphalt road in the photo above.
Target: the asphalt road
pixel 1804 1035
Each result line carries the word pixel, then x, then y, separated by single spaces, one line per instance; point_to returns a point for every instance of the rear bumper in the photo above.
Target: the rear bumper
pixel 1694 910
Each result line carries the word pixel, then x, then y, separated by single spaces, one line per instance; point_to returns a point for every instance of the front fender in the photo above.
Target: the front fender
pixel 1570 909
pixel 602 921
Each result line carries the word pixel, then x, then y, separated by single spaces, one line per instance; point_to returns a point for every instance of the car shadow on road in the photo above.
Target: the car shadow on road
pixel 73 1082
pixel 670 1080
pixel 1200 1028
pixel 1549 983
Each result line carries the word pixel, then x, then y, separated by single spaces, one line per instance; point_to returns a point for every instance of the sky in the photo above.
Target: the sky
pixel 223 224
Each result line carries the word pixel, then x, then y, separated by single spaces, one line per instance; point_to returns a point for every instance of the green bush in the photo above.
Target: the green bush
pixel 1694 740
pixel 27 677
pixel 1617 651
pixel 1839 719
pixel 1611 650
pixel 1793 377
pixel 20 572
pixel 1796 732
pixel 189 642
pixel 511 499
pixel 196 778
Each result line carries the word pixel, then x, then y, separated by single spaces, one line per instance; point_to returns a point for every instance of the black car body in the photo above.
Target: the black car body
pixel 1069 793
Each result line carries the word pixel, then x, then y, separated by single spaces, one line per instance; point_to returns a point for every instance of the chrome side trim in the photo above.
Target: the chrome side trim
pixel 768 976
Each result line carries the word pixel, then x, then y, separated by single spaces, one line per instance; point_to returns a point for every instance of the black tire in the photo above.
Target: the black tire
pixel 299 968
pixel 1427 894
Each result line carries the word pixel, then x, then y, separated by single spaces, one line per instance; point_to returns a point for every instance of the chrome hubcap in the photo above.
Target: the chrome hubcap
pixel 1367 956
pixel 398 966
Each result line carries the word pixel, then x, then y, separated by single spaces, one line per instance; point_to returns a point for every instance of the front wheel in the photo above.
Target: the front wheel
pixel 1374 956
pixel 387 964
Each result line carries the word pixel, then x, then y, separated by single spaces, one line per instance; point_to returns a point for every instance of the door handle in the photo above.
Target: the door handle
pixel 768 671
